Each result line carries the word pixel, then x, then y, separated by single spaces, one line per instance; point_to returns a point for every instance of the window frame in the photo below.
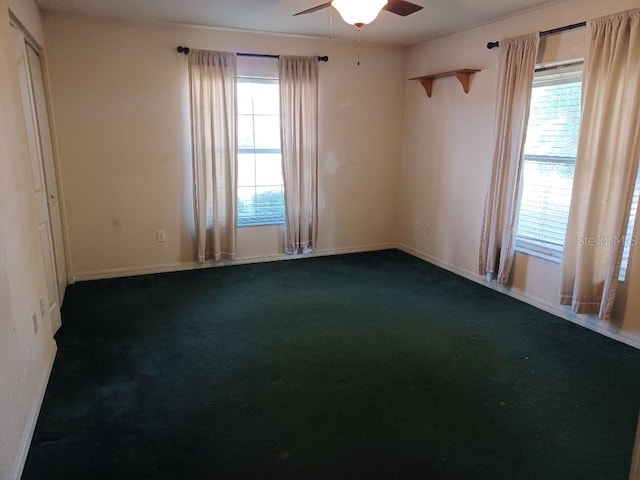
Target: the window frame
pixel 549 75
pixel 255 222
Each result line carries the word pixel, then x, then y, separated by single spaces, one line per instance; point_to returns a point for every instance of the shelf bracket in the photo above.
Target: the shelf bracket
pixel 427 83
pixel 463 75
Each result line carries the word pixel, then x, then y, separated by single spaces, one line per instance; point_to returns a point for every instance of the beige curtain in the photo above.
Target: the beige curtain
pixel 606 165
pixel 497 243
pixel 212 78
pixel 299 135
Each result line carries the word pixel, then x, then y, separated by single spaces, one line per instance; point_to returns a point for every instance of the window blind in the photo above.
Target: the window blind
pixel 549 161
pixel 629 240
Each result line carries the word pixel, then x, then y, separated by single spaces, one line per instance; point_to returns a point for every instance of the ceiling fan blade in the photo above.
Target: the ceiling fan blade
pixel 314 9
pixel 402 8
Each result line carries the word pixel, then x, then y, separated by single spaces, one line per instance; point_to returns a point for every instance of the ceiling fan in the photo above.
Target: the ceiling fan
pixel 361 12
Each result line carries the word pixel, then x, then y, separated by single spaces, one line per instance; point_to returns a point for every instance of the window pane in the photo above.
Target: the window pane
pixel 554 121
pixel 268 169
pixel 246 207
pixel 544 209
pixel 267 132
pixel 245 131
pixel 266 99
pixel 269 203
pixel 258 96
pixel 246 170
pixel 245 98
pixel 260 205
pixel 549 162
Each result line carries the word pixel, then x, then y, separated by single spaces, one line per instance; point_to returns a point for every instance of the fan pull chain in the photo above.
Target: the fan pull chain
pixel 331 24
pixel 359 31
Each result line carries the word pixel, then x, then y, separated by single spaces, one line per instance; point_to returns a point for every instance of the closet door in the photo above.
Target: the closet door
pixel 38 150
pixel 50 177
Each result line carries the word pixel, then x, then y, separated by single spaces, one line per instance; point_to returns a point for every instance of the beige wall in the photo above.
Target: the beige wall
pixel 447 151
pixel 120 99
pixel 121 112
pixel 25 358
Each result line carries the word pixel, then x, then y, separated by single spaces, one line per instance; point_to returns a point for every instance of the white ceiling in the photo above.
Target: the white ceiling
pixel 437 19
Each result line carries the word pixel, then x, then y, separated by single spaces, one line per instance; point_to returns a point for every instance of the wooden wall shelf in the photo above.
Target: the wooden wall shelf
pixel 463 75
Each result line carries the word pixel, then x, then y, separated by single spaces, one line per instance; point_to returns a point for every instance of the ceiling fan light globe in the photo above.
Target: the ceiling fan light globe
pixel 358 12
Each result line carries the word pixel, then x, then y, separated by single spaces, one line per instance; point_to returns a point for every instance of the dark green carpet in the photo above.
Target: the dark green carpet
pixel 367 366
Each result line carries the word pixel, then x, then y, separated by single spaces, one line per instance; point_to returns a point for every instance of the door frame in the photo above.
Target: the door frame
pixel 15 22
pixel 50 168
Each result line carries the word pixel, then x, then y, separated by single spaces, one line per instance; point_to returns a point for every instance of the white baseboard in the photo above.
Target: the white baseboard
pixel 178 267
pixel 587 321
pixel 27 436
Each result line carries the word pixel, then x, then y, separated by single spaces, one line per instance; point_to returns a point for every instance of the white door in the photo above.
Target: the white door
pixel 50 177
pixel 37 152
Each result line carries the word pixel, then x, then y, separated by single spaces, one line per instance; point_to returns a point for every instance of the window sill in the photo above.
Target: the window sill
pixel 541 255
pixel 261 224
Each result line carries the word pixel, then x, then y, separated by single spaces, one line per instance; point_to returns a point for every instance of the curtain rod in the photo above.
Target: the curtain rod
pixel 186 51
pixel 553 31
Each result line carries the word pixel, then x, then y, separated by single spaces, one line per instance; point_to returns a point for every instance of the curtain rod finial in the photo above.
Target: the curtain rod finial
pixel 182 49
pixel 492 45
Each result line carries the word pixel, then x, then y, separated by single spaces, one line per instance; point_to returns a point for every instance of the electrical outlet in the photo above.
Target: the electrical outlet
pixel 417 226
pixel 428 228
pixel 42 309
pixel 34 317
pixel 161 236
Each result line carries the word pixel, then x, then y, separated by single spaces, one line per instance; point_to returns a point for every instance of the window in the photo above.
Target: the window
pixel 260 185
pixel 549 161
pixel 629 239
